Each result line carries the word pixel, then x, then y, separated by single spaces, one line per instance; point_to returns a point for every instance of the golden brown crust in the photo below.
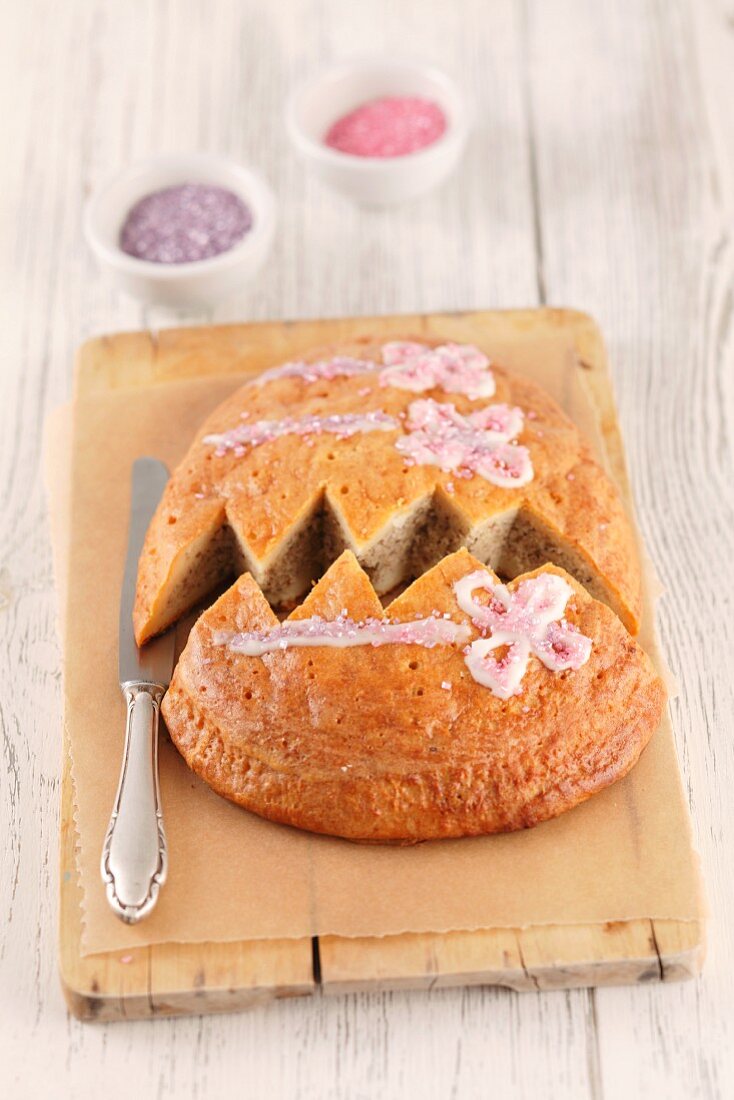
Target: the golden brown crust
pixel 266 493
pixel 365 743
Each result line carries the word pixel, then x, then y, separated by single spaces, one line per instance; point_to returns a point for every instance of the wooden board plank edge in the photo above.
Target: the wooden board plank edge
pixel 128 360
pixel 538 958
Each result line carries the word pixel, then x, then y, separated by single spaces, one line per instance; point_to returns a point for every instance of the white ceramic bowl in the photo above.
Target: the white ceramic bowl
pixel 200 282
pixel 314 106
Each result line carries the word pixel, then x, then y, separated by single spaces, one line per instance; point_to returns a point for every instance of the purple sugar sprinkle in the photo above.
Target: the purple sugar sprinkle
pixel 186 223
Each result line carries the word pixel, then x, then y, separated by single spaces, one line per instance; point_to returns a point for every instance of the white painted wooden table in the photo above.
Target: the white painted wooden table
pixel 601 176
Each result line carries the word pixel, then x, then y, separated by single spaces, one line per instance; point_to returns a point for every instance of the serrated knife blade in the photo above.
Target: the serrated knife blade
pixel 134 855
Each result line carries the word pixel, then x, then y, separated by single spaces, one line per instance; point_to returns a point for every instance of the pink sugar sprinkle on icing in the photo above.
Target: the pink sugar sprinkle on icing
pixel 525 622
pixel 340 366
pixel 343 632
pixel 481 443
pixel 392 126
pixel 454 368
pixel 570 477
pixel 343 426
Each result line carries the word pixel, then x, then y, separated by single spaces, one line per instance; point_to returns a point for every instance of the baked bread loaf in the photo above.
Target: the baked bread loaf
pixel 471 709
pixel 401 452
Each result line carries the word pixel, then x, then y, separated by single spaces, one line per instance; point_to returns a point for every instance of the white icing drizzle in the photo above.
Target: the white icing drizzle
pixel 454 368
pixel 340 366
pixel 341 425
pixel 526 621
pixel 436 434
pixel 481 443
pixel 343 632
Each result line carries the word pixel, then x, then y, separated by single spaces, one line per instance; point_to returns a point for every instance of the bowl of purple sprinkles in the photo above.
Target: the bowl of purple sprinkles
pixel 182 229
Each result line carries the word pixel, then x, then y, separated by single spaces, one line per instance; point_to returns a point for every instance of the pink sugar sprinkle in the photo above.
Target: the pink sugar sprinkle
pixel 389 127
pixel 364 391
pixel 570 477
pixel 446 685
pixel 126 958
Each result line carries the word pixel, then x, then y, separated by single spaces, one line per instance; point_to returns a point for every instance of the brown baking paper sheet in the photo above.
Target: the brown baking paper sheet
pixel 624 854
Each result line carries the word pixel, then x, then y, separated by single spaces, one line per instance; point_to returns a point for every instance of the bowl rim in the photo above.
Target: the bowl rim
pixel 455 133
pixel 255 190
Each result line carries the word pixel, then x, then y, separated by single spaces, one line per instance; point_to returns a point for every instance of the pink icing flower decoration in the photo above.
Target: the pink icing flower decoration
pixel 480 443
pixel 454 368
pixel 525 622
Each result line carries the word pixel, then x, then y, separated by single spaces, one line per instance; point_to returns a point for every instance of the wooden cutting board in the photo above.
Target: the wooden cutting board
pixel 177 978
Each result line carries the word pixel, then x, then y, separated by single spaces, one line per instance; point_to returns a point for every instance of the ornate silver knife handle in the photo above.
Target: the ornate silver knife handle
pixel 134 856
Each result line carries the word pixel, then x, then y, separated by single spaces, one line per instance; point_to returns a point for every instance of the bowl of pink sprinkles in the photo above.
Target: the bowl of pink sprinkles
pixel 379 130
pixel 182 229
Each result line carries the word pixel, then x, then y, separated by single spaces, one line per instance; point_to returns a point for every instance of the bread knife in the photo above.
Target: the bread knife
pixel 134 856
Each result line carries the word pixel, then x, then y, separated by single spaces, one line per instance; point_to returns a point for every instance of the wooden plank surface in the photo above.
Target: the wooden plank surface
pixel 599 174
pixel 180 978
pixel 166 979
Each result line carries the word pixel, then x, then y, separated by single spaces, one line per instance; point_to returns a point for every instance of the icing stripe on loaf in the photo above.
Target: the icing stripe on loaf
pixel 436 435
pixel 524 622
pixel 344 632
pixel 340 366
pixel 454 368
pixel 264 431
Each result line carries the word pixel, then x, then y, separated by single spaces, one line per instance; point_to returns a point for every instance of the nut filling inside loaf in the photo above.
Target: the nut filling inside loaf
pixel 511 543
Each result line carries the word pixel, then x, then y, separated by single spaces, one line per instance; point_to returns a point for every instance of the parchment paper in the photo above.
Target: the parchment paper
pixel 624 854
